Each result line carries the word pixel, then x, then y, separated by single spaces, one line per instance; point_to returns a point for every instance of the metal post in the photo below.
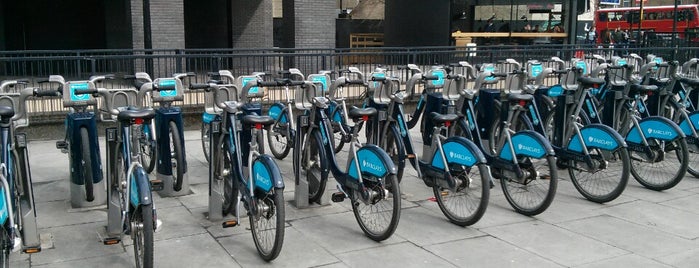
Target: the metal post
pixel 674 32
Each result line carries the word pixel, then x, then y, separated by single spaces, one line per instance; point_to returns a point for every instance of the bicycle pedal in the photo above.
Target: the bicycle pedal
pixel 338 197
pixel 230 223
pixel 111 241
pixel 156 185
pixel 32 250
pixel 62 145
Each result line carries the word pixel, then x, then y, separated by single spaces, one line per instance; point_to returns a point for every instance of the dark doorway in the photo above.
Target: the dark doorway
pixel 207 24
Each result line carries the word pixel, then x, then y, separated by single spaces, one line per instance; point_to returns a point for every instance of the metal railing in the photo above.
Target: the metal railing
pixel 79 65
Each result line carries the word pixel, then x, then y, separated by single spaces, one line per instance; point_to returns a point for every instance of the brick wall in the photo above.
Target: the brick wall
pixel 252 24
pixel 137 23
pixel 315 23
pixel 167 23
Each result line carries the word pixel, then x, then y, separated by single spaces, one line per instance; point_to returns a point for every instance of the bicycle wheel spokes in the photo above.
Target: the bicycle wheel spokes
pixel 663 171
pixel 267 226
pixel 693 159
pixel 534 193
pixel 277 138
pixel 378 217
pixel 607 180
pixel 467 203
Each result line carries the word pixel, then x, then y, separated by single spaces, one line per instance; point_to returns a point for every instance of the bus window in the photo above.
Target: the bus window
pixel 602 16
pixel 651 16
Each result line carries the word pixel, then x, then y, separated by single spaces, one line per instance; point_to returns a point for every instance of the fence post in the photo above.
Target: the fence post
pixel 79 69
pixel 178 60
pixel 93 65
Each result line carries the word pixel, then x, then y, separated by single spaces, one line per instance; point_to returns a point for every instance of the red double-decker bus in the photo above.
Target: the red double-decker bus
pixel 656 18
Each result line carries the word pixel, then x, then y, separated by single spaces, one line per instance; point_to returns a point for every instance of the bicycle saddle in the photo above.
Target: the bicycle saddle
pixel 441 118
pixel 6 111
pixel 355 112
pixel 257 119
pixel 643 88
pixel 519 97
pixel 590 81
pixel 692 82
pixel 134 113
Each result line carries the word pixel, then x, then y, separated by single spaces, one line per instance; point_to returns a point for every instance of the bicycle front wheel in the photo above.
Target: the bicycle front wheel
pixel 5 247
pixel 395 149
pixel 177 157
pixel 268 226
pixel 147 145
pixel 142 220
pixel 532 194
pixel 665 169
pixel 223 180
pixel 606 182
pixel 88 172
pixel 205 142
pixel 467 203
pixel 379 216
pixel 279 138
pixel 311 164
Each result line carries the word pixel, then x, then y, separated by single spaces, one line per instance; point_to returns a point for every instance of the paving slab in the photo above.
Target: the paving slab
pixel 626 261
pixel 75 242
pixel 177 222
pixel 424 227
pixel 687 258
pixel 557 244
pixel 403 254
pixel 629 236
pixel 60 213
pixel 488 251
pixel 667 219
pixel 687 203
pixel 116 260
pixel 297 251
pixel 190 251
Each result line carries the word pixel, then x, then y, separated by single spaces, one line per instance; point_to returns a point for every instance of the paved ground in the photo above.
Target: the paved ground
pixel 642 228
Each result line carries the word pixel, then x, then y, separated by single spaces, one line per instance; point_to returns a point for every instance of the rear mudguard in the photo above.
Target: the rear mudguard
pixel 372 161
pixel 140 188
pixel 4 213
pixel 74 122
pixel 207 118
pixel 694 120
pixel 266 174
pixel 275 112
pixel 458 150
pixel 656 127
pixel 597 136
pixel 527 143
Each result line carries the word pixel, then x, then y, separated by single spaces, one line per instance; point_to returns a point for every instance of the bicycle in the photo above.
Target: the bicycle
pixel 257 182
pixel 281 134
pixel 19 230
pixel 211 111
pixel 81 143
pixel 169 148
pixel 522 160
pixel 453 167
pixel 370 178
pixel 654 142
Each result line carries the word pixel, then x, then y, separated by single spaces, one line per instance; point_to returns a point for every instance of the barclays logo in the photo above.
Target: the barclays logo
pixel 659 132
pixel 530 149
pixel 372 166
pixel 460 157
pixel 600 141
pixel 262 180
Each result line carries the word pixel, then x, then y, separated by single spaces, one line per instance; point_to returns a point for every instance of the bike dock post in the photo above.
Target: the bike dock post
pixel 169 179
pixel 301 195
pixel 114 227
pixel 30 231
pixel 215 194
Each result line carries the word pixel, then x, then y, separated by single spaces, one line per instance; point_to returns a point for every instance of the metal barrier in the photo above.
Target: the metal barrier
pixel 78 65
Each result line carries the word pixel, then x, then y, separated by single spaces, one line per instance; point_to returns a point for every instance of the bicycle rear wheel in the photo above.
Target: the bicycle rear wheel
pixel 378 217
pixel 395 149
pixel 534 193
pixel 519 123
pixel 87 165
pixel 606 183
pixel 338 124
pixel 223 180
pixel 205 140
pixel 279 138
pixel 142 221
pixel 311 164
pixel 468 203
pixel 177 157
pixel 268 226
pixel 666 169
pixel 5 247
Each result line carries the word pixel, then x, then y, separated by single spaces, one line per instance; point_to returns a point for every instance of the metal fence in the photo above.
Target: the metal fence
pixel 79 65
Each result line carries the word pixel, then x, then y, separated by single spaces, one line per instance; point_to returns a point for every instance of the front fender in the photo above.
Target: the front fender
pixel 597 136
pixel 266 174
pixel 140 188
pixel 372 160
pixel 656 127
pixel 527 143
pixel 694 120
pixel 459 150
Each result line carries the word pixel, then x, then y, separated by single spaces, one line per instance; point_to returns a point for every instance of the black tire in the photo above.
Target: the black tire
pixel 606 184
pixel 177 156
pixel 143 236
pixel 5 243
pixel 387 222
pixel 540 190
pixel 148 150
pixel 522 123
pixel 395 149
pixel 205 142
pixel 311 159
pixel 663 174
pixel 269 225
pixel 338 128
pixel 224 178
pixel 279 138
pixel 672 109
pixel 473 193
pixel 87 171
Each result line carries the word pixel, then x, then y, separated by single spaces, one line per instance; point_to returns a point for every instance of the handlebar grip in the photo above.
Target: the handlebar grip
pixel 616 67
pixel 84 91
pixel 128 76
pixel 212 74
pixel 46 93
pixel 499 75
pixel 562 71
pixel 270 83
pixel 198 86
pixel 342 71
pixel 378 78
pixel 283 72
pixel 109 76
pixel 430 77
pixel 355 82
pixel 296 83
pixel 42 80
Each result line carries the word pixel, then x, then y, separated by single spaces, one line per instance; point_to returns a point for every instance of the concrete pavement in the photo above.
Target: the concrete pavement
pixel 642 228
